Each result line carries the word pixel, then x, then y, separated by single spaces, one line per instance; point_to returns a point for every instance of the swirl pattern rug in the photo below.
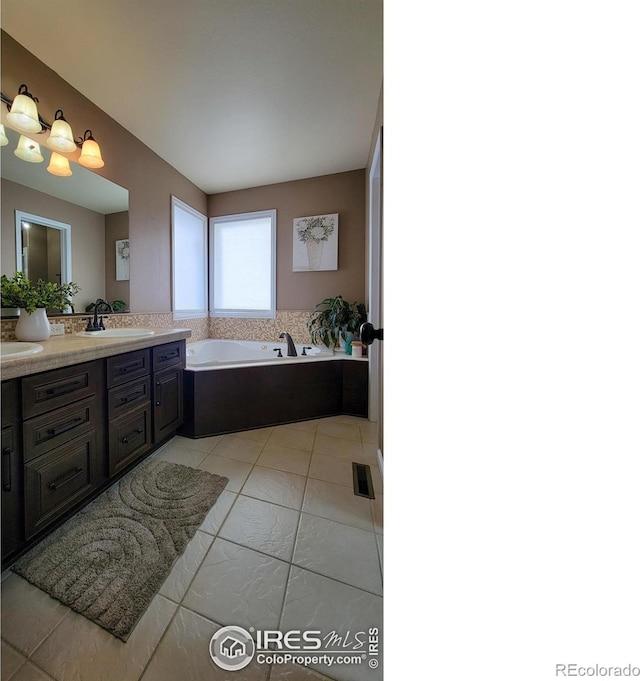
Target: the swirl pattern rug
pixel 108 561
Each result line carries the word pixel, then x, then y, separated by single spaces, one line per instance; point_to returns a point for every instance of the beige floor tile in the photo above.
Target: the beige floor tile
pixel 184 654
pixel 200 444
pixel 380 542
pixel 78 649
pixel 11 660
pixel 262 526
pixel 185 568
pixel 30 672
pixel 348 418
pixel 369 432
pixel 285 459
pixel 259 434
pixel 29 615
pixel 338 446
pixel 339 551
pixel 332 469
pixel 338 503
pixel 292 437
pixel 338 429
pixel 293 672
pixel 377 507
pixel 176 453
pixel 278 487
pixel 239 448
pixel 236 585
pixel 317 602
pixel 309 426
pixel 236 471
pixel 214 519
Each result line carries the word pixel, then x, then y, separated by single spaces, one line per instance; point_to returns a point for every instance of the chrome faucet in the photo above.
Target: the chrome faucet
pixel 291 348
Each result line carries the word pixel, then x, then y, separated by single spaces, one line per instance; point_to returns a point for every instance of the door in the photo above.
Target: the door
pixel 375 350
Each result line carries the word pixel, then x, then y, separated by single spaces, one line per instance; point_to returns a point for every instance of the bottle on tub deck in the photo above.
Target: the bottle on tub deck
pixel 356 349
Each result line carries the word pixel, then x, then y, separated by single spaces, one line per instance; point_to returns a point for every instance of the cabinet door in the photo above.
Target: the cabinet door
pixel 11 494
pixel 129 438
pixel 167 403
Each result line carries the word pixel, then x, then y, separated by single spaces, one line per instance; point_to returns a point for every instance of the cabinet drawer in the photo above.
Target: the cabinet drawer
pixel 126 367
pixel 43 433
pixel 129 396
pixel 129 438
pixel 168 355
pixel 57 481
pixel 57 388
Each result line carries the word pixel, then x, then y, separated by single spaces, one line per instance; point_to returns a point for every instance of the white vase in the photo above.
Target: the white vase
pixel 34 326
pixel 314 254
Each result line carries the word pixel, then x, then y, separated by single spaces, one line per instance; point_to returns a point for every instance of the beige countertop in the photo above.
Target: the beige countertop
pixel 62 351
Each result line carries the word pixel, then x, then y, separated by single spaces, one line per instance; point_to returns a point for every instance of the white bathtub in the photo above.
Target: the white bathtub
pixel 214 353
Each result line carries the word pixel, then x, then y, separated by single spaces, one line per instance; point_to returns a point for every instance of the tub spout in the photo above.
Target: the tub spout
pixel 291 348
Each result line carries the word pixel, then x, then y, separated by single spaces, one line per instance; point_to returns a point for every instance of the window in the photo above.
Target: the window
pixel 243 265
pixel 189 255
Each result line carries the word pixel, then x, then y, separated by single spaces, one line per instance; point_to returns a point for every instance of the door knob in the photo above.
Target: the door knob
pixel 368 334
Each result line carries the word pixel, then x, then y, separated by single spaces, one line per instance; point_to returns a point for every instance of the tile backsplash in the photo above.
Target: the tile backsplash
pixel 292 321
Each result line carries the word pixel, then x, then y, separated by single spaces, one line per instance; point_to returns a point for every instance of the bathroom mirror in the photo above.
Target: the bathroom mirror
pixel 94 210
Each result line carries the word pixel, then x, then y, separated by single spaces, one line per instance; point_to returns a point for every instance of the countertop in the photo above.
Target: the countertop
pixel 62 351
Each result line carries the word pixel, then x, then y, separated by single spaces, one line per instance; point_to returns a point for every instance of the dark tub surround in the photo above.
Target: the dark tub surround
pixel 245 397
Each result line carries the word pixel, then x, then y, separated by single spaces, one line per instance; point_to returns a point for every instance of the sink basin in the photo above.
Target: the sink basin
pixel 19 349
pixel 117 333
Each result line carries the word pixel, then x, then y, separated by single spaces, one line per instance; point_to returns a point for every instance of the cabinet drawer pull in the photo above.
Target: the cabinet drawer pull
pixel 131 366
pixel 64 427
pixel 131 396
pixel 169 355
pixel 131 436
pixel 65 478
pixel 6 469
pixel 65 387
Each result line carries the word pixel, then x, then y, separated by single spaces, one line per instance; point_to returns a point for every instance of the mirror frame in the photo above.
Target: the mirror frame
pixel 65 241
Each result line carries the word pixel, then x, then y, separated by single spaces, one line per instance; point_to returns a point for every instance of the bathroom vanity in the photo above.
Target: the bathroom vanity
pixel 75 417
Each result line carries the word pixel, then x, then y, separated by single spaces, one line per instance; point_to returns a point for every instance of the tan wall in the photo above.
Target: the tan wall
pixel 116 227
pixel 129 163
pixel 87 236
pixel 342 193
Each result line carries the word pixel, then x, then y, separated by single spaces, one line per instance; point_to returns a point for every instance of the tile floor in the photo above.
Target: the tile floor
pixel 286 546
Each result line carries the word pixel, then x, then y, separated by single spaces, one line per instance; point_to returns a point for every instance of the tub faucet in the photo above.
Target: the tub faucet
pixel 291 348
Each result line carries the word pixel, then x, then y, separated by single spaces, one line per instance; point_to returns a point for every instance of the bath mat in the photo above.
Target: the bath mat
pixel 108 561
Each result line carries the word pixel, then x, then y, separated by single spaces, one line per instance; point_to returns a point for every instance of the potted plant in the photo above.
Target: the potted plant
pixel 335 320
pixel 33 301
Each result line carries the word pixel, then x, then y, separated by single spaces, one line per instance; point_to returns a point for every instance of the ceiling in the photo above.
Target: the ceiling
pixel 231 93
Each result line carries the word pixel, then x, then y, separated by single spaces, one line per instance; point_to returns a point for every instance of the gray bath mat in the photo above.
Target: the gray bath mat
pixel 108 561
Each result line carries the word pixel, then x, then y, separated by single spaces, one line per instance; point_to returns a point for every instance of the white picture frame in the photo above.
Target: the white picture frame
pixel 122 260
pixel 315 243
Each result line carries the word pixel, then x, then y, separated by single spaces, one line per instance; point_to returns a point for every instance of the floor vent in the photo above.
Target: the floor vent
pixel 362 484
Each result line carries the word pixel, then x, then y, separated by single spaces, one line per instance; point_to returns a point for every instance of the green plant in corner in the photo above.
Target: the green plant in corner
pixel 20 292
pixel 333 319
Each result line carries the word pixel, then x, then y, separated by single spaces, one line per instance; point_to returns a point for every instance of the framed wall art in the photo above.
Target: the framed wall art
pixel 122 260
pixel 315 243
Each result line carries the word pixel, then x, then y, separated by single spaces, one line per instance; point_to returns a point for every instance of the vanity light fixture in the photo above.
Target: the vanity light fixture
pixel 23 114
pixel 59 165
pixel 90 156
pixel 61 137
pixel 28 150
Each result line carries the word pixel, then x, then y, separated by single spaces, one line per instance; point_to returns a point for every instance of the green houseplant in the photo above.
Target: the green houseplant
pixel 33 301
pixel 334 319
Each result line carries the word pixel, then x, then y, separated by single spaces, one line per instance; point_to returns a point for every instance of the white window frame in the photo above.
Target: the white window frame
pixel 226 312
pixel 177 204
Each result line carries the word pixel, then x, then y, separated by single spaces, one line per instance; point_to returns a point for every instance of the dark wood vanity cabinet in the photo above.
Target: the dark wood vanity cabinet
pixel 68 433
pixel 62 441
pixel 10 465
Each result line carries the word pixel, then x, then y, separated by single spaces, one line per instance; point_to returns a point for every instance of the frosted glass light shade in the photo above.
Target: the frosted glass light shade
pixel 28 150
pixel 3 137
pixel 61 137
pixel 59 165
pixel 23 115
pixel 91 156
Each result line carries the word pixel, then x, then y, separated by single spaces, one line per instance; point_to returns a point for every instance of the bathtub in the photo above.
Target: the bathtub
pixel 214 353
pixel 235 385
